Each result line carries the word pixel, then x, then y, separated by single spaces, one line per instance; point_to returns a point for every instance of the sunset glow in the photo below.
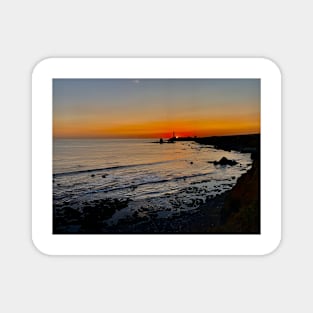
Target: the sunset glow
pixel 154 108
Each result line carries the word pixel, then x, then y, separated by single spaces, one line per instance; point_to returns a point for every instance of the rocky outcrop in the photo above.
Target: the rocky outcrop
pixel 224 161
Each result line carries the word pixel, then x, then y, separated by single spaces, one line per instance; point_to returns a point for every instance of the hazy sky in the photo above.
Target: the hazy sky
pixel 132 108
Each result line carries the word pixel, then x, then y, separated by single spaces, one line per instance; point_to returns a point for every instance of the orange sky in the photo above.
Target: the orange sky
pixel 155 108
pixel 155 129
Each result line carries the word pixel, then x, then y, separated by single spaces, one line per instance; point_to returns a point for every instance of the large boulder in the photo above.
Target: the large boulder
pixel 225 161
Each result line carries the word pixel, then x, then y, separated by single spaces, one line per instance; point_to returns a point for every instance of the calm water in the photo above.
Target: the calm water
pixel 166 179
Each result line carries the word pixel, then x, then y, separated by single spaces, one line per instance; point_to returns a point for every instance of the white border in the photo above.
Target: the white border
pixel 51 244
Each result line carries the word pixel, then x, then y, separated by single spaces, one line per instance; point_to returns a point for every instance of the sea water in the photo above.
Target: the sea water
pixel 163 178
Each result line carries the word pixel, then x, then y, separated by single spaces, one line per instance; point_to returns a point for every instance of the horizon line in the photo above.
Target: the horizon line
pixel 158 137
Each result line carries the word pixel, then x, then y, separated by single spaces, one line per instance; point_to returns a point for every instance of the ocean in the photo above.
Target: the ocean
pixel 163 179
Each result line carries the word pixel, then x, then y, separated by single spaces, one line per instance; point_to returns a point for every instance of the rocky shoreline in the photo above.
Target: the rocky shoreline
pixel 241 210
pixel 233 211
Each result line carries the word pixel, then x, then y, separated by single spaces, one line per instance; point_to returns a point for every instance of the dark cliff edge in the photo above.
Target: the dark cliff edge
pixel 240 213
pixel 241 210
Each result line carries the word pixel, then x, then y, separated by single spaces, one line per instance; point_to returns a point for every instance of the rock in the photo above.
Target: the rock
pixel 104 176
pixel 191 162
pixel 225 161
pixel 92 175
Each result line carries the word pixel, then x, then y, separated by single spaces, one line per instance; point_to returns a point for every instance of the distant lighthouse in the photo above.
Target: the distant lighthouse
pixel 172 140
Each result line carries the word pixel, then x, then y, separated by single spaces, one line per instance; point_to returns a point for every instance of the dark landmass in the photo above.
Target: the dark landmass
pixel 233 212
pixel 241 143
pixel 240 213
